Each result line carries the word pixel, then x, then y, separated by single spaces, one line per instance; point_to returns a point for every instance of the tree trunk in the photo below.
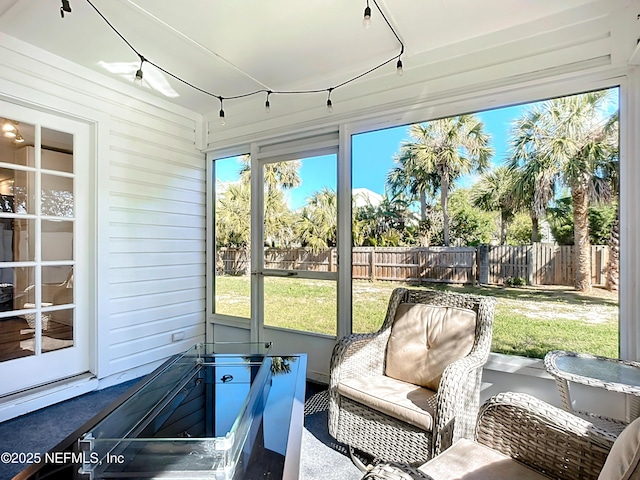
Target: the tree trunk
pixel 535 226
pixel 503 228
pixel 423 206
pixel 582 250
pixel 613 268
pixel 444 203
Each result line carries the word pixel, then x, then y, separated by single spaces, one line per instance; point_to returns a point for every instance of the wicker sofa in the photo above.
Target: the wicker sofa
pixel 521 437
pixel 397 399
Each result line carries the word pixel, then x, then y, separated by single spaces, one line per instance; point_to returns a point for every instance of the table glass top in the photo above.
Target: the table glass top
pixel 196 415
pixel 599 369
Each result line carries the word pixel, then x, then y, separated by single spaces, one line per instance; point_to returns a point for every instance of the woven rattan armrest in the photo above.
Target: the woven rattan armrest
pixel 358 355
pixel 458 397
pixel 543 437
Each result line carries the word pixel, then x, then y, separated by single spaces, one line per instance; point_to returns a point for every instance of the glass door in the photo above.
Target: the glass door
pixel 297 269
pixel 43 318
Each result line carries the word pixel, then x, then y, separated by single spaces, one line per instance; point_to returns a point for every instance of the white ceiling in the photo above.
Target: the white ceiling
pixel 237 46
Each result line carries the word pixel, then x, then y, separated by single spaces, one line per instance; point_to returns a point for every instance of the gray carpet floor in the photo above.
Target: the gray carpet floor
pixel 321 457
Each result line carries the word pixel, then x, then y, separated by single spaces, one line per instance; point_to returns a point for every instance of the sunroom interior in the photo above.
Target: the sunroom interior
pixel 147 157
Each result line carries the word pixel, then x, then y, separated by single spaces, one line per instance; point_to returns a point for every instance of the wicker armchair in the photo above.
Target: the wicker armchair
pixel 435 417
pixel 519 436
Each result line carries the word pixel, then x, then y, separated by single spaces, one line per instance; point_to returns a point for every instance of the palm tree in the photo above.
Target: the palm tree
pixel 278 176
pixel 493 192
pixel 317 225
pixel 613 268
pixel 533 186
pixel 233 208
pixel 573 142
pixel 278 221
pixel 387 223
pixel 284 175
pixel 438 153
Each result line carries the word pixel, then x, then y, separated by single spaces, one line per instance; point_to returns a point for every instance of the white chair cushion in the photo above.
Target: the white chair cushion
pixel 623 461
pixel 471 461
pixel 404 401
pixel 425 339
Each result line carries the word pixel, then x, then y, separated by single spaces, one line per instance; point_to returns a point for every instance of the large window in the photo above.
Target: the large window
pixel 232 213
pixel 520 203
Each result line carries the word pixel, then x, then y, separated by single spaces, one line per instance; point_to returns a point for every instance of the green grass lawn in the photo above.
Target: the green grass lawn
pixel 529 321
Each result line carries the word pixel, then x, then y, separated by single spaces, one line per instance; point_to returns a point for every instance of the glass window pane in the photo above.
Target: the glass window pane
pixel 15 137
pixel 57 196
pixel 232 231
pixel 510 221
pixel 300 214
pixel 57 329
pixel 21 189
pixel 16 338
pixel 17 332
pixel 57 240
pixel 57 153
pixel 24 240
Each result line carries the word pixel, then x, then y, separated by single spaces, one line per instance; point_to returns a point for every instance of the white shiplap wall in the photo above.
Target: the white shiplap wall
pixel 149 208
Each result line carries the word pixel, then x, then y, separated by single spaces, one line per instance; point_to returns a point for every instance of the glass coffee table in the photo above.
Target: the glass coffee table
pixel 610 374
pixel 219 411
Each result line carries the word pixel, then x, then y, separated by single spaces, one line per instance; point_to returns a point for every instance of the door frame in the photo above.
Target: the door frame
pixel 262 154
pixel 85 201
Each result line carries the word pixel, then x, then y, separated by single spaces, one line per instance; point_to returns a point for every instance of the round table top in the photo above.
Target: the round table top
pixel 609 373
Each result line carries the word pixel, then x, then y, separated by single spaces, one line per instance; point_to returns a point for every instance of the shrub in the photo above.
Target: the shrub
pixel 515 282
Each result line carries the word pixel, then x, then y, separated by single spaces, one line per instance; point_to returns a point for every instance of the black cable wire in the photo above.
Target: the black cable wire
pixel 262 90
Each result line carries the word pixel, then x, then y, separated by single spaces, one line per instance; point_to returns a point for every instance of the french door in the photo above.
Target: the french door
pixel 44 208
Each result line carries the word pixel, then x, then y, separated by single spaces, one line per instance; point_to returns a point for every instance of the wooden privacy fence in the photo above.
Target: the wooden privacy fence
pixel 538 264
pixel 420 264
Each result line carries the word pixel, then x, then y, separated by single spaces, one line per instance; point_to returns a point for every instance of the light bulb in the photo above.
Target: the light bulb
pixel 267 107
pixel 138 79
pixel 399 69
pixel 10 134
pixel 19 138
pixel 329 106
pixel 366 21
pixel 223 121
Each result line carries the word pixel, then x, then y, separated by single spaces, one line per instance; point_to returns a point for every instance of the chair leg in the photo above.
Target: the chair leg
pixel 357 462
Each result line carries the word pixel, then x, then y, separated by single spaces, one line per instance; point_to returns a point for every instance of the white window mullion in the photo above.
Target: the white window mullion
pixel 345 323
pixel 37 197
pixel 257 249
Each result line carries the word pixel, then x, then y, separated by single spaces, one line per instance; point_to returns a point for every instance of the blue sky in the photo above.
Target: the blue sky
pixel 373 153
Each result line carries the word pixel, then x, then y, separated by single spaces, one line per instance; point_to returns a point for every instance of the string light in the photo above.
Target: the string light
pixel 223 120
pixel 366 22
pixel 19 138
pixel 65 7
pixel 267 104
pixel 139 74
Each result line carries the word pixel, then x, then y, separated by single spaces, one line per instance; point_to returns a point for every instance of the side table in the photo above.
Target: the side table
pixel 601 372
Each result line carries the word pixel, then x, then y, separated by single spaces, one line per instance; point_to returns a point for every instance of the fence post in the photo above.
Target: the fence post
pixel 483 264
pixel 372 263
pixel 531 262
